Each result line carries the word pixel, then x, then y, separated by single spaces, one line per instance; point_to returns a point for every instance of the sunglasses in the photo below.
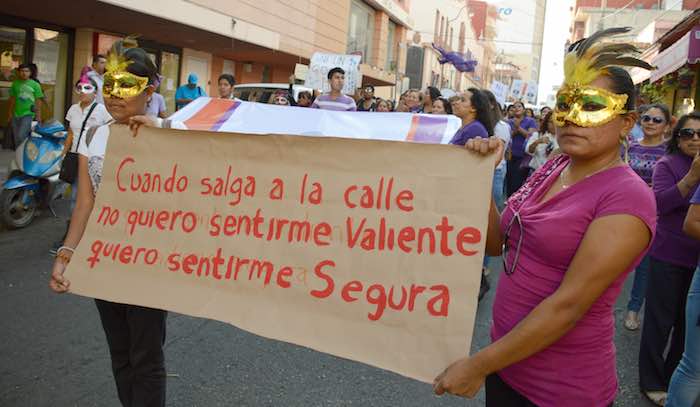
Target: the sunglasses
pixel 84 88
pixel 657 120
pixel 687 134
pixel 513 222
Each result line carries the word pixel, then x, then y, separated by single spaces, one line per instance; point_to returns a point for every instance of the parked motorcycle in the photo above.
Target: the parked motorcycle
pixel 33 180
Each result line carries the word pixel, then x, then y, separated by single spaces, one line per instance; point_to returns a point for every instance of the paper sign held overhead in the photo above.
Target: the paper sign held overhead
pixel 321 63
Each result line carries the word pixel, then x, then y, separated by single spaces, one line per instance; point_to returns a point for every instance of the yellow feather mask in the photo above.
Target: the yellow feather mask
pixel 118 82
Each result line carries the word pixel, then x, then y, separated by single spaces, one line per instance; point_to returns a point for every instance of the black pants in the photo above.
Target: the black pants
pixel 667 290
pixel 515 176
pixel 500 394
pixel 135 336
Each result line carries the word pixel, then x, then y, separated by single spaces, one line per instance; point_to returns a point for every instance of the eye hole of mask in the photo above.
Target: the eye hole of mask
pixel 562 106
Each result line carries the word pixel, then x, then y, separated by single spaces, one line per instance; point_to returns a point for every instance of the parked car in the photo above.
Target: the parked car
pixel 261 92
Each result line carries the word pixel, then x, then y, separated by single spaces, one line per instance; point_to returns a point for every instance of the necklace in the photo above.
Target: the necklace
pixel 561 174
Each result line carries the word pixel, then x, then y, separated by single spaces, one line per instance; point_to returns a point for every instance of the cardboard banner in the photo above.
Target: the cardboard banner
pixel 368 250
pixel 258 118
pixel 321 63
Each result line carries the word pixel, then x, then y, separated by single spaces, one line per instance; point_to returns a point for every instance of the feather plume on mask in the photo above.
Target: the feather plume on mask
pixel 589 58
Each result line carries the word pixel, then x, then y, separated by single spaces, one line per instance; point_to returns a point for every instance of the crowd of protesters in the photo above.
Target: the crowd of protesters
pixel 579 202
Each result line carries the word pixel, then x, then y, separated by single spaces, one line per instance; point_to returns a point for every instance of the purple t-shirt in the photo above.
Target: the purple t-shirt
pixel 471 130
pixel 517 146
pixel 341 103
pixel 578 370
pixel 672 245
pixel 642 159
pixel 155 105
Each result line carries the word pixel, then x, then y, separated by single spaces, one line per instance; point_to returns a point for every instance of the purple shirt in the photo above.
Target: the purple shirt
pixel 471 130
pixel 578 370
pixel 517 146
pixel 341 103
pixel 671 244
pixel 642 159
pixel 155 105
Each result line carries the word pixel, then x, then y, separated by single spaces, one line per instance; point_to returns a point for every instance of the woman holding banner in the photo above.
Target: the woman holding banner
pixel 569 237
pixel 135 335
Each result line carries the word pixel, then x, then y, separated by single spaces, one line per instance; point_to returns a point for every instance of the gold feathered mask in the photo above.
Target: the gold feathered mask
pixel 588 59
pixel 118 81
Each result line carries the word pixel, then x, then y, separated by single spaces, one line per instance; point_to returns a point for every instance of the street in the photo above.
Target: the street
pixel 54 352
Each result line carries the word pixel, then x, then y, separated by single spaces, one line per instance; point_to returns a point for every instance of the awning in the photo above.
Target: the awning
pixel 672 58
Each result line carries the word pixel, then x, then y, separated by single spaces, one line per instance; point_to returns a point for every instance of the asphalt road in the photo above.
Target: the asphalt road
pixel 53 351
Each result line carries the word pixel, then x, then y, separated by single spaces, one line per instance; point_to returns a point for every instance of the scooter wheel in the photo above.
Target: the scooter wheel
pixel 16 208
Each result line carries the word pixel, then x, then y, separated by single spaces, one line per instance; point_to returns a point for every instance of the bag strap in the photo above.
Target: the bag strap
pixel 82 128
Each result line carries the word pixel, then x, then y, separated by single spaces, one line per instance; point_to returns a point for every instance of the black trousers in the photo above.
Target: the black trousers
pixel 135 336
pixel 515 176
pixel 667 291
pixel 500 394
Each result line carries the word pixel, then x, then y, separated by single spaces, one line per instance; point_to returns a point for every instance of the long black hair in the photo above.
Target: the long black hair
pixel 673 146
pixel 495 106
pixel 480 103
pixel 141 64
pixel 445 104
pixel 434 93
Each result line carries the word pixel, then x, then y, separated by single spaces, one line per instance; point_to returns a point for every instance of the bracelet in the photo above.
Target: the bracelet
pixel 63 258
pixel 70 249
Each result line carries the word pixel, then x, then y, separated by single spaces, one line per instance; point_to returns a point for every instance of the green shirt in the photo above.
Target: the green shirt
pixel 26 93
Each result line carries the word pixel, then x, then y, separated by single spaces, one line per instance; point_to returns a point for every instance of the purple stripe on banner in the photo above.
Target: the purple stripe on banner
pixel 224 117
pixel 430 129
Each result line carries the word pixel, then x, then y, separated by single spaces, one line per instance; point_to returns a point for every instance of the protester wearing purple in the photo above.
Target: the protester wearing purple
pixel 473 108
pixel 521 128
pixel 335 100
pixel 674 257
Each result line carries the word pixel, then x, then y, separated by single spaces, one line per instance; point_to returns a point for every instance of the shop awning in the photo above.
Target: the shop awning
pixel 677 55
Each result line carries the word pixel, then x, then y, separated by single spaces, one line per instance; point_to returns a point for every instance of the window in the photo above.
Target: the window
pixel 391 48
pixel 360 30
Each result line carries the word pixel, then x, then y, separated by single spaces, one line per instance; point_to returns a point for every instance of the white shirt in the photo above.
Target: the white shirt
pixel 76 116
pixel 502 131
pixel 539 157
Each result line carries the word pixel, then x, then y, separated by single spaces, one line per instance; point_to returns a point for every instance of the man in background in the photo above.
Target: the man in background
pixel 97 74
pixel 335 100
pixel 185 94
pixel 25 104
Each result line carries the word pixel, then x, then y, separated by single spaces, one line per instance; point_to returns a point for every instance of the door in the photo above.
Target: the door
pixel 200 67
pixel 51 58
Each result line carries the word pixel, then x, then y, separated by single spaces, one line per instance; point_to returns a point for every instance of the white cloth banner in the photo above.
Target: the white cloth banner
pixel 236 116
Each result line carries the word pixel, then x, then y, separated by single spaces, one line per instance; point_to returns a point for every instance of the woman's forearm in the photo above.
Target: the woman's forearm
pixel 494 239
pixel 691 226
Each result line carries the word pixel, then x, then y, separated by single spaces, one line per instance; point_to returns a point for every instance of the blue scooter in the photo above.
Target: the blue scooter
pixel 33 180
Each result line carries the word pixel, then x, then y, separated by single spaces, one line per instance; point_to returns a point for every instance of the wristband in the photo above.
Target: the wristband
pixel 70 249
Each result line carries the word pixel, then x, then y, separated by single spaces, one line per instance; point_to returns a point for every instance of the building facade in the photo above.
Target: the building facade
pixel 256 41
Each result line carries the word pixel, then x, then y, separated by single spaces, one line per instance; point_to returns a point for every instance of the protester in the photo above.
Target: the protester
pixel 473 108
pixel 97 74
pixel 510 112
pixel 541 144
pixel 401 106
pixel 367 103
pixel 414 101
pixel 279 98
pixel 521 129
pixel 25 104
pixel 544 110
pixel 189 92
pixel 569 238
pixel 674 257
pixel 135 334
pixel 529 113
pixel 441 106
pixel 684 389
pixel 226 83
pixel 430 95
pixel 335 100
pixel 305 99
pixel 383 106
pixel 642 157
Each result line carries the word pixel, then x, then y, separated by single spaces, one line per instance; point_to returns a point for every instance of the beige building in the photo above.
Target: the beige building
pixel 257 41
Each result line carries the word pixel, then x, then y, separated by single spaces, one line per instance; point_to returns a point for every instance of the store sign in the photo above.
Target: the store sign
pixel 671 59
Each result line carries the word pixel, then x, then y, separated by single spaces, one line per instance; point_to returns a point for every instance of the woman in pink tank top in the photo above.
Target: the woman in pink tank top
pixel 568 237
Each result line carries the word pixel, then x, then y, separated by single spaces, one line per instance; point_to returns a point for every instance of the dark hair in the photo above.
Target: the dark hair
pixel 673 146
pixel 228 78
pixel 335 70
pixel 532 112
pixel 141 64
pixel 480 102
pixel 304 93
pixel 660 106
pixel 518 102
pixel 98 57
pixel 495 106
pixel 445 104
pixel 546 119
pixel 365 87
pixel 621 83
pixel 25 66
pixel 510 107
pixel 434 93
